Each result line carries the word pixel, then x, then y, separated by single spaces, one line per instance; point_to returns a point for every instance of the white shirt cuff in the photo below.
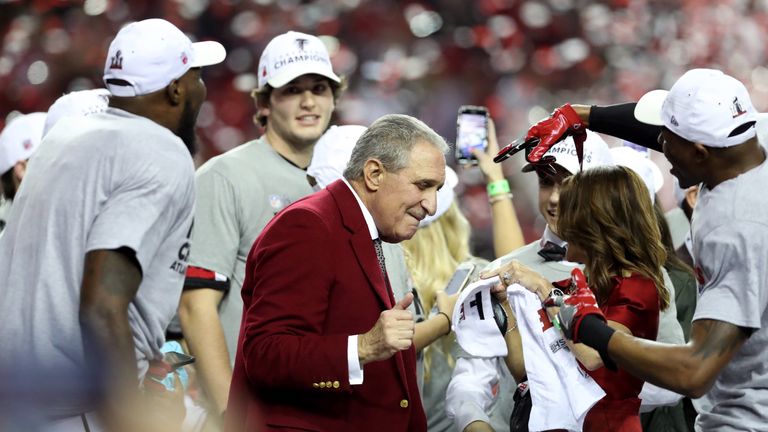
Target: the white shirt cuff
pixel 353 362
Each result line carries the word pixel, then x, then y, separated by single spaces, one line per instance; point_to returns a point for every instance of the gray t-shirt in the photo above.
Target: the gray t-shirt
pixel 107 181
pixel 730 249
pixel 238 193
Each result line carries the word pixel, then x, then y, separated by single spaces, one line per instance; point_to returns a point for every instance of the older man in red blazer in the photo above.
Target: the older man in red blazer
pixel 323 345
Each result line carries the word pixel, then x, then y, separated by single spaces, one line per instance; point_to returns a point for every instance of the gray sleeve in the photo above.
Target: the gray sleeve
pixel 732 262
pixel 144 203
pixel 216 235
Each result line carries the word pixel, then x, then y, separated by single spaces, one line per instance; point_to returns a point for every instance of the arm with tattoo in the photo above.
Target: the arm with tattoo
pixel 689 369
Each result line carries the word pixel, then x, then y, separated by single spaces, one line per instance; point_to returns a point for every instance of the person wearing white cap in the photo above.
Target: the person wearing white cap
pixel 88 287
pixel 239 191
pixel 705 124
pixel 18 141
pixel 471 401
pixel 467 393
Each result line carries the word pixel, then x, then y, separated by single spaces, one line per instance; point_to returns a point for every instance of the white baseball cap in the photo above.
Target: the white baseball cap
pixel 150 54
pixel 704 106
pixel 291 55
pixel 20 138
pixel 332 153
pixel 642 165
pixel 445 197
pixel 596 153
pixel 76 104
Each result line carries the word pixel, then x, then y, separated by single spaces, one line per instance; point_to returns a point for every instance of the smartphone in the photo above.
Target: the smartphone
pixel 460 278
pixel 177 359
pixel 471 132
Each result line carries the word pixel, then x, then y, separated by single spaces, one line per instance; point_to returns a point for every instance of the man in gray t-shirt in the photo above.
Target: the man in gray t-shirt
pixel 94 254
pixel 708 135
pixel 240 191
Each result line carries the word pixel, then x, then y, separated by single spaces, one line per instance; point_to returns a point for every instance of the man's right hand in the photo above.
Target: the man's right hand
pixel 563 121
pixel 392 332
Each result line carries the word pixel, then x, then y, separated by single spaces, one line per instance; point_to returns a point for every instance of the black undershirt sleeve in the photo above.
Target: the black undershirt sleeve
pixel 619 121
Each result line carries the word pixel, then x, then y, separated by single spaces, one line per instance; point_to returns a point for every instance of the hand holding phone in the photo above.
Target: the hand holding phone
pixel 471 132
pixel 177 360
pixel 460 278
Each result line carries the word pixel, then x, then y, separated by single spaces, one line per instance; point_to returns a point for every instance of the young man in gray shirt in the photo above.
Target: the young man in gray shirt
pixel 240 191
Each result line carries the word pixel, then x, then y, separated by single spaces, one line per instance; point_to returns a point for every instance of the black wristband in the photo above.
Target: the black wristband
pixel 449 321
pixel 595 333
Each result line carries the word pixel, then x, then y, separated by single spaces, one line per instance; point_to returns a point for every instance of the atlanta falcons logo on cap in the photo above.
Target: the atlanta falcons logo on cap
pixel 300 43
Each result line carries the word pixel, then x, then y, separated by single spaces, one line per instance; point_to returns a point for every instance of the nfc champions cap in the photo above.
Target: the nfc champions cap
pixel 704 106
pixel 291 55
pixel 596 153
pixel 148 55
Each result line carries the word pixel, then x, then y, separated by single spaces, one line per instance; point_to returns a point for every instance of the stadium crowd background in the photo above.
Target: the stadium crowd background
pixel 519 58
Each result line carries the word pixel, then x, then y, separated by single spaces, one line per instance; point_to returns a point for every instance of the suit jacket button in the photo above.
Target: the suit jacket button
pixel 315 385
pixel 322 384
pixel 335 384
pixel 328 384
pixel 404 403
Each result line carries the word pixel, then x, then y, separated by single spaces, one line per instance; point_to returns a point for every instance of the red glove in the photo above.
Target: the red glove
pixel 574 307
pixel 562 122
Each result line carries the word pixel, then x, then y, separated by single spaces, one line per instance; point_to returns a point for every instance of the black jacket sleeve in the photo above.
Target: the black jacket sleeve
pixel 619 121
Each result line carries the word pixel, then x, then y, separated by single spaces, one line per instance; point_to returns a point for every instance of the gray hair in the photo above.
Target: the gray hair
pixel 390 139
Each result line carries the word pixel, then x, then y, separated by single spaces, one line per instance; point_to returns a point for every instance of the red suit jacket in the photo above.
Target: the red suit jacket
pixel 312 280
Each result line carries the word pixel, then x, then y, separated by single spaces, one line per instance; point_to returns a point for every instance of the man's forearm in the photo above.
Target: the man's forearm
pixel 107 336
pixel 110 281
pixel 203 332
pixel 689 369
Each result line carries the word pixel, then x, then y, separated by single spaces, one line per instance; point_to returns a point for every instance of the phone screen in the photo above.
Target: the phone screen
pixel 472 134
pixel 177 359
pixel 458 280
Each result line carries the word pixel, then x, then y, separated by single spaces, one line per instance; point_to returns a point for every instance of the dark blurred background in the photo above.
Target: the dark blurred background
pixel 521 59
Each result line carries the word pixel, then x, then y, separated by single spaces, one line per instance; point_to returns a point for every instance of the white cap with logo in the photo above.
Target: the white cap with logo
pixel 148 55
pixel 596 153
pixel 20 138
pixel 291 55
pixel 704 106
pixel 76 104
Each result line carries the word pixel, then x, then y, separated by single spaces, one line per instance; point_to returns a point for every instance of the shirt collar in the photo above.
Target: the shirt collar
pixel 372 230
pixel 550 236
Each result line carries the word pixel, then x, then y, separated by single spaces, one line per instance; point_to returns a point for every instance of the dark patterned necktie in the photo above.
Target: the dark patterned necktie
pixel 552 252
pixel 380 256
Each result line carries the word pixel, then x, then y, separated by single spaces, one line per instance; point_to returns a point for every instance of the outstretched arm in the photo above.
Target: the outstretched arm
pixel 689 369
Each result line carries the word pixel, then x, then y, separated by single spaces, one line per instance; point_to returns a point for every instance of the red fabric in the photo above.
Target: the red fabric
pixel 312 279
pixel 200 273
pixel 634 303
